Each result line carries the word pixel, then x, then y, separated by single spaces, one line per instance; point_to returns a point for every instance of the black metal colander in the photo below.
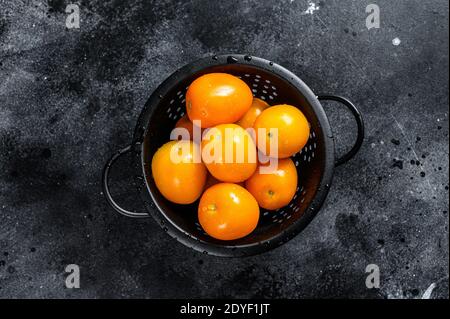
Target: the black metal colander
pixel 315 162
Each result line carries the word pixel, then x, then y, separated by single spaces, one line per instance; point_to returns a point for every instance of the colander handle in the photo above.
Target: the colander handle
pixel 359 121
pixel 105 186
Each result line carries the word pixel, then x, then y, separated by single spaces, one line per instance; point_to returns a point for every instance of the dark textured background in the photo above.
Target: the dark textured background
pixel 70 98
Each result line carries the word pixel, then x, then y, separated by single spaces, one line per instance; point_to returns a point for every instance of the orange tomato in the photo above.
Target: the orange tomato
pixel 292 127
pixel 276 189
pixel 228 211
pixel 229 153
pixel 255 110
pixel 185 123
pixel 178 171
pixel 217 98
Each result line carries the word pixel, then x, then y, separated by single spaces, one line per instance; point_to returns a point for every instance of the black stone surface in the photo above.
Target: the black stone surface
pixel 69 98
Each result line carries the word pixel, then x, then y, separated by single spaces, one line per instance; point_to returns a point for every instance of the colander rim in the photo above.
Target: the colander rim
pixel 158 213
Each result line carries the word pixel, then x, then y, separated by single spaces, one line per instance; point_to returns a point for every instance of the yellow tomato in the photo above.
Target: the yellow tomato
pixel 178 171
pixel 229 153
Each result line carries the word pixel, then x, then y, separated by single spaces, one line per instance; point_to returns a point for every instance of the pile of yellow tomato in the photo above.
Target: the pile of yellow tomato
pixel 230 185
